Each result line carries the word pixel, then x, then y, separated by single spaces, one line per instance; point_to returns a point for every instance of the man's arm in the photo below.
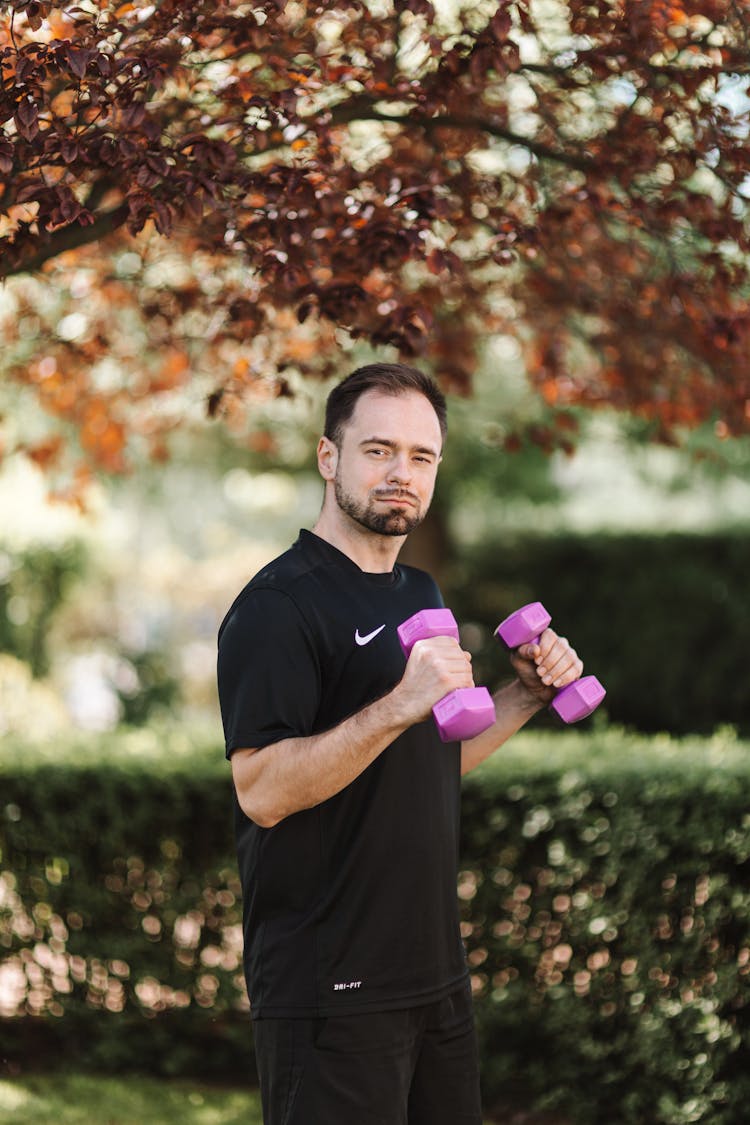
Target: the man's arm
pixel 298 773
pixel 541 669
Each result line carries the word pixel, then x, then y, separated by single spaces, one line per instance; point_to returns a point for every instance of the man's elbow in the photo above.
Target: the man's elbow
pixel 260 812
pixel 263 819
pixel 254 798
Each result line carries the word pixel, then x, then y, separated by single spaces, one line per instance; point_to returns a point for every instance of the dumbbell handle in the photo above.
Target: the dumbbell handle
pixel 464 712
pixel 524 627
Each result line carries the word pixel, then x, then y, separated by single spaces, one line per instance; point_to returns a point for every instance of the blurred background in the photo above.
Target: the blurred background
pixel 119 899
pixel 109 616
pixel 209 213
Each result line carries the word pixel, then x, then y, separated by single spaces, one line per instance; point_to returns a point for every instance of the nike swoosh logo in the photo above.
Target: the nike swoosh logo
pixel 369 637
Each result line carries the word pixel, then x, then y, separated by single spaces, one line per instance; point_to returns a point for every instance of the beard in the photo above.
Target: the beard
pixel 379 518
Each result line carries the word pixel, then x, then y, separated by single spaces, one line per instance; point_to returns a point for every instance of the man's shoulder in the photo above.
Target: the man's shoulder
pixel 281 572
pixel 272 582
pixel 280 584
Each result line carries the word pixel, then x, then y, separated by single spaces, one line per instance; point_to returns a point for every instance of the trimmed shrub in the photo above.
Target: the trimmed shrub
pixel 662 620
pixel 120 914
pixel 605 892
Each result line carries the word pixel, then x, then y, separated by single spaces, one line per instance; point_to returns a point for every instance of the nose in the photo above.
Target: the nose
pixel 399 470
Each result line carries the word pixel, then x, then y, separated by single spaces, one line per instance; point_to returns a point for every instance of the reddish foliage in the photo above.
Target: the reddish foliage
pixel 320 168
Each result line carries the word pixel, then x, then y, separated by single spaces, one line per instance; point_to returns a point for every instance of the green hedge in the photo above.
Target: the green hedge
pixel 662 620
pixel 120 905
pixel 607 919
pixel 605 890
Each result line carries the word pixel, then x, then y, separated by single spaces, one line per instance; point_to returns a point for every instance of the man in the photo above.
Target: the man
pixel 347 801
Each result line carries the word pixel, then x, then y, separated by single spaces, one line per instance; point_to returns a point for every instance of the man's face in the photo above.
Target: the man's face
pixel 387 462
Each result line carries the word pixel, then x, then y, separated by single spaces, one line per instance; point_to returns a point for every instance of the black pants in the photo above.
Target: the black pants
pixel 413 1067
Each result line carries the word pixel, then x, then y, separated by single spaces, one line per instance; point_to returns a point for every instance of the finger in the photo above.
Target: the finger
pixel 553 649
pixel 550 649
pixel 548 640
pixel 563 667
pixel 562 674
pixel 456 676
pixel 428 644
pixel 431 649
pixel 451 662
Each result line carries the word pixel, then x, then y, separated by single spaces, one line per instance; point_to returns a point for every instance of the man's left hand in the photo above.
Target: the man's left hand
pixel 546 667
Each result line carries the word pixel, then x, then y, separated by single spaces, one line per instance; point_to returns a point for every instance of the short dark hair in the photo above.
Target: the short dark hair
pixel 389 379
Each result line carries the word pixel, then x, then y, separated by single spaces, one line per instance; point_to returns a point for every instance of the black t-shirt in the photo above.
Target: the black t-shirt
pixel 351 905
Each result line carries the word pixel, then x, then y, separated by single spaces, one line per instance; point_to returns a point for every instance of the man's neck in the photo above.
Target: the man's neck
pixel 373 553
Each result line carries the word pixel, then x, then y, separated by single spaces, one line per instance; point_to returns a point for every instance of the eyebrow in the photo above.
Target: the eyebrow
pixel 430 450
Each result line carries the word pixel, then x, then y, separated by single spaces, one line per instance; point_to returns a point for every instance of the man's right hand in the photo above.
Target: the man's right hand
pixel 436 666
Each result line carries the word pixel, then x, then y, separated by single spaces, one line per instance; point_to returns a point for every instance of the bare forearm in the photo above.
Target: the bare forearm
pixel 299 773
pixel 514 706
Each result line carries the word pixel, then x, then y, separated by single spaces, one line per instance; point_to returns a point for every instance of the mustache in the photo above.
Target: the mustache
pixel 396 494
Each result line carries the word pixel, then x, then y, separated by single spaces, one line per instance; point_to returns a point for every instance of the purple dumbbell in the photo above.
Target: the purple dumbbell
pixel 462 713
pixel 525 627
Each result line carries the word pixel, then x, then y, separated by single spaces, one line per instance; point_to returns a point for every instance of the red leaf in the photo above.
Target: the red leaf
pixel 69 150
pixel 27 119
pixel 501 24
pixel 70 208
pixel 6 157
pixel 32 189
pixel 78 61
pixel 133 114
pixel 162 217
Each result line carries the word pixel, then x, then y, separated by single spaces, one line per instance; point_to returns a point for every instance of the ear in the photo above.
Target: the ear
pixel 328 458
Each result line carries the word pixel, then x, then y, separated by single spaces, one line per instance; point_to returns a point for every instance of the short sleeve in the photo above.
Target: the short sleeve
pixel 268 672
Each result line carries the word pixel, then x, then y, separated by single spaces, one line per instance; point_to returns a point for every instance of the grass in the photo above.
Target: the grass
pixel 80 1099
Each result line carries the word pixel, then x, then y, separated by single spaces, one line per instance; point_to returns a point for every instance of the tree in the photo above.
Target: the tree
pixel 200 203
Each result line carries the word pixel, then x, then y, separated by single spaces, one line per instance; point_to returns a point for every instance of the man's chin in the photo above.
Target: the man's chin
pixel 396 523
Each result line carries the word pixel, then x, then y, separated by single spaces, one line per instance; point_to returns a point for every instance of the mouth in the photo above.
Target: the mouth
pixel 398 501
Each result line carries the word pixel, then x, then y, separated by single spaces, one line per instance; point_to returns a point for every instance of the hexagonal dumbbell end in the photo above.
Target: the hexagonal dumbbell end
pixel 578 700
pixel 523 627
pixel 426 623
pixel 462 713
pixel 575 701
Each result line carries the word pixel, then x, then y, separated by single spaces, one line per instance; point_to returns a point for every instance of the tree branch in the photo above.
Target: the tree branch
pixel 361 109
pixel 70 238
